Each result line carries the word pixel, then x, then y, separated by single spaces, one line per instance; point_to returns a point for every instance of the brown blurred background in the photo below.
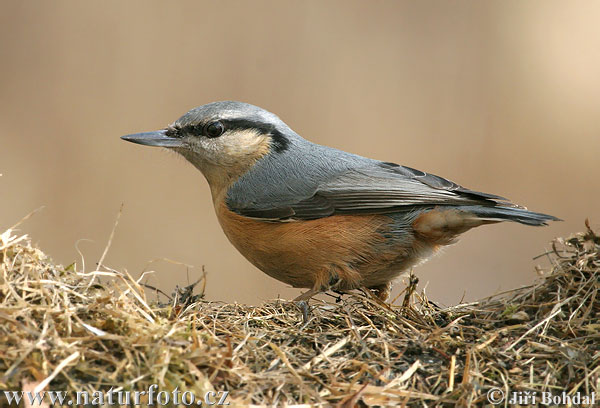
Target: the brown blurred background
pixel 502 97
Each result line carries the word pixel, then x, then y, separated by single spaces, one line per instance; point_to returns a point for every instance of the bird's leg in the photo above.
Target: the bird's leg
pixel 308 295
pixel 305 309
pixel 334 283
pixel 302 302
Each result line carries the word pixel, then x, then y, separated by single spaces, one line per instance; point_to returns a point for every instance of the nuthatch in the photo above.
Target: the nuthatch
pixel 317 217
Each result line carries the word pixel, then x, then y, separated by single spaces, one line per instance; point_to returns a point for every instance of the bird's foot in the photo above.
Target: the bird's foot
pixel 305 309
pixel 302 302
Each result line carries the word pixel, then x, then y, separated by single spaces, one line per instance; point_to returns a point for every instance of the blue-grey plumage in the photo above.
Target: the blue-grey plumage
pixel 314 216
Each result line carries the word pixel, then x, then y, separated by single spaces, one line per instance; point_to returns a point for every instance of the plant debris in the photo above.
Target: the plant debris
pixel 65 329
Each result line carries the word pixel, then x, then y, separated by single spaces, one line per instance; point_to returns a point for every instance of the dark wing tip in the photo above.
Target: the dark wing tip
pixel 439 182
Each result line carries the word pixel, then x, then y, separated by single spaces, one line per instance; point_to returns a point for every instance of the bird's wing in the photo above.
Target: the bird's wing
pixel 381 188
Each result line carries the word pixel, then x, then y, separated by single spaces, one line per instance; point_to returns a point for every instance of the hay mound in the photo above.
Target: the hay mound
pixel 62 329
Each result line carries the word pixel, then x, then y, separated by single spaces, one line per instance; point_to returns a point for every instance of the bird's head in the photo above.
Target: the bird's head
pixel 222 139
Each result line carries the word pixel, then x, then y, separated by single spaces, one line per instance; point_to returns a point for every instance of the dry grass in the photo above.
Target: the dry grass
pixel 64 329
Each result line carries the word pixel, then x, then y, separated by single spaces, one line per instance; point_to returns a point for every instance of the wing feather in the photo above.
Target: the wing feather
pixel 381 188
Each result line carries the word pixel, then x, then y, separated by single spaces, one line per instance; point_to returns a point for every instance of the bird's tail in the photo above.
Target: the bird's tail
pixel 507 213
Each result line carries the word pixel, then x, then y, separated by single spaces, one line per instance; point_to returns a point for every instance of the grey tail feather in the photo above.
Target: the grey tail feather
pixel 516 214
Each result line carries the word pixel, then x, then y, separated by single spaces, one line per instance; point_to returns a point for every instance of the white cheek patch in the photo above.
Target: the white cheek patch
pixel 243 145
pixel 234 148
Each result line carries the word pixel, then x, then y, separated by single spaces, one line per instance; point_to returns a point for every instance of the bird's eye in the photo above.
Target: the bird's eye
pixel 214 129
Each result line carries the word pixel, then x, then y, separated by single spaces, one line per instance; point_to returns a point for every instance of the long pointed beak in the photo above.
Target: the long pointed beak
pixel 158 138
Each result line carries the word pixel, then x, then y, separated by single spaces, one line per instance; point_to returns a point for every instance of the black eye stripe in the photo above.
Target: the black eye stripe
pixel 243 124
pixel 280 143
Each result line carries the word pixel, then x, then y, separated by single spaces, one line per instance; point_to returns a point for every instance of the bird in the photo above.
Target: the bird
pixel 320 218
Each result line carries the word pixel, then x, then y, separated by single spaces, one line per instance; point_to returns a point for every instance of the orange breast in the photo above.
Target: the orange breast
pixel 309 253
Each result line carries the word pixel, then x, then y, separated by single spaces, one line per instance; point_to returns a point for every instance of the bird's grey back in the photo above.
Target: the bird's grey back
pixel 308 180
pixel 292 175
